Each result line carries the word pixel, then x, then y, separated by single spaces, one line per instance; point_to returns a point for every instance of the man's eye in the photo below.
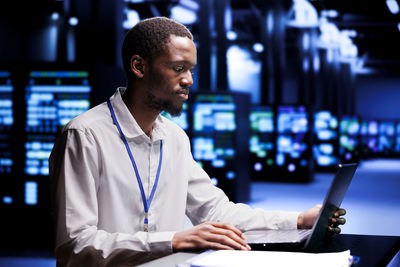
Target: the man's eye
pixel 179 68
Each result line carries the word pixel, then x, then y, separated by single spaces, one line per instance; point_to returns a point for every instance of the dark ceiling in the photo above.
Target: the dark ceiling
pixel 378 34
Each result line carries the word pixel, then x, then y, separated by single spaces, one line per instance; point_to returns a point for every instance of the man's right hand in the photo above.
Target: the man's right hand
pixel 210 235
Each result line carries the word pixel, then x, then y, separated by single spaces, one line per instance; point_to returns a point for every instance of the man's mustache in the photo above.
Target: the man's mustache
pixel 184 90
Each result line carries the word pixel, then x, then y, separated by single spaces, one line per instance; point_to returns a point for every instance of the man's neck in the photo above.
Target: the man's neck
pixel 144 116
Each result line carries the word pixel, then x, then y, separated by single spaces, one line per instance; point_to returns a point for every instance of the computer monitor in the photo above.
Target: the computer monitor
pixel 219 136
pixel 8 187
pixel 6 123
pixel 53 98
pixel 349 139
pixel 369 132
pixel 262 142
pixel 325 147
pixel 387 138
pixel 397 146
pixel 182 119
pixel 293 149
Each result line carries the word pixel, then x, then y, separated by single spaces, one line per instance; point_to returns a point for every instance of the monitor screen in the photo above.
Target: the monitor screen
pixel 349 138
pixel 397 147
pixel 214 127
pixel 326 136
pixel 6 122
pixel 387 131
pixel 292 143
pixel 182 119
pixel 262 140
pixel 53 98
pixel 369 130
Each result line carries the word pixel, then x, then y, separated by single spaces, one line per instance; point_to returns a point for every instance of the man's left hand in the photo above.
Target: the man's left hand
pixel 307 219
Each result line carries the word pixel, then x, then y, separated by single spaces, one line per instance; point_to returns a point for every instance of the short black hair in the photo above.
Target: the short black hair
pixel 149 38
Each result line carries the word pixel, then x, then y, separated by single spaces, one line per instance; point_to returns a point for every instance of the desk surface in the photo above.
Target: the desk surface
pixel 372 250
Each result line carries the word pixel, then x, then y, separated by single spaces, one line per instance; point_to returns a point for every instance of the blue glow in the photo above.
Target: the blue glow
pixel 302 15
pixel 326 133
pixel 31 193
pixel 183 15
pixel 55 16
pixel 214 181
pixel 231 35
pixel 306 41
pixel 73 21
pixel 258 166
pixel 230 175
pixel 258 47
pixel 326 148
pixel 373 128
pixel 292 119
pixel 71 51
pixel 306 64
pixel 181 120
pixel 6 122
pixel 132 18
pixel 280 159
pixel 214 116
pixel 218 163
pixel 316 62
pixel 292 123
pixel 53 98
pixel 291 167
pixel 213 132
pixel 262 120
pixel 393 6
pixel 7 200
pixel 244 71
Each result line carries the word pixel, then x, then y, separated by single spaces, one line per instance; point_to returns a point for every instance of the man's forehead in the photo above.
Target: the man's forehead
pixel 181 49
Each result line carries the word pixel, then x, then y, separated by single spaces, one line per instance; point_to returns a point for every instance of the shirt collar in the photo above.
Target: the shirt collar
pixel 128 124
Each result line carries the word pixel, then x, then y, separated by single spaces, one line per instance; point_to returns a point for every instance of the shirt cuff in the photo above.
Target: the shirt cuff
pixel 291 222
pixel 161 241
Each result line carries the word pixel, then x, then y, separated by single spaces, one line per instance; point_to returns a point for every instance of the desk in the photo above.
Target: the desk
pixel 372 250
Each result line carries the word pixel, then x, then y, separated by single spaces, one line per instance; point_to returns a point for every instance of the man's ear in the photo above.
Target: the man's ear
pixel 138 65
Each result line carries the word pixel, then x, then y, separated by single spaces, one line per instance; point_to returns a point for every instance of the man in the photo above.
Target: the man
pixel 124 176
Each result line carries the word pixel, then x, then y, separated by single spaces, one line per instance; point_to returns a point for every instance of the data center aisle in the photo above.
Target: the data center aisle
pixel 372 201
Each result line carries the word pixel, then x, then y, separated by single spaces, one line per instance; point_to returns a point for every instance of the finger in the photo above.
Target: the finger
pixel 334 230
pixel 227 233
pixel 225 239
pixel 340 212
pixel 338 221
pixel 228 227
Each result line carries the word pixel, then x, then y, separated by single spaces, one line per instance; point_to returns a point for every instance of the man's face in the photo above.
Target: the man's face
pixel 170 76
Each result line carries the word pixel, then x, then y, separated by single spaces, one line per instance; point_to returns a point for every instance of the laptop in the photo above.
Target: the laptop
pixel 307 239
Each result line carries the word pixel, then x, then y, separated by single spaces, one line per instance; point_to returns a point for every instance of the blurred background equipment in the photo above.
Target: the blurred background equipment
pixel 283 90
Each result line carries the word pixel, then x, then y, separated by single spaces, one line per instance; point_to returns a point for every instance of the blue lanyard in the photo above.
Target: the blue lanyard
pixel 146 203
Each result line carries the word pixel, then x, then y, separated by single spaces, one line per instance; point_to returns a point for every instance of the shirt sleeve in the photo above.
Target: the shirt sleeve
pixel 206 202
pixel 75 164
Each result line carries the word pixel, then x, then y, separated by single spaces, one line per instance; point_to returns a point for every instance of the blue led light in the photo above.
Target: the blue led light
pixel 31 193
pixel 218 163
pixel 7 200
pixel 214 181
pixel 257 166
pixel 230 175
pixel 291 167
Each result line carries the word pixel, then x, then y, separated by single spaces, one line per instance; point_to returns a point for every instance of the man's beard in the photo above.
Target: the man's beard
pixel 162 105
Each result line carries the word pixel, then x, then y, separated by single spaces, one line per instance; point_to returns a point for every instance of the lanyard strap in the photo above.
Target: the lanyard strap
pixel 146 203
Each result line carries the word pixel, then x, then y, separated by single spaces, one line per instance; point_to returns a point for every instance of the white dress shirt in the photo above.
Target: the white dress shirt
pixel 98 205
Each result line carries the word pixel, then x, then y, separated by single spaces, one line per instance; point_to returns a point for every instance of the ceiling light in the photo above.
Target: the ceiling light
pixel 393 6
pixel 73 21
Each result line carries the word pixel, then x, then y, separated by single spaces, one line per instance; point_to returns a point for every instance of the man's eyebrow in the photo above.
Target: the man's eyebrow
pixel 184 62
